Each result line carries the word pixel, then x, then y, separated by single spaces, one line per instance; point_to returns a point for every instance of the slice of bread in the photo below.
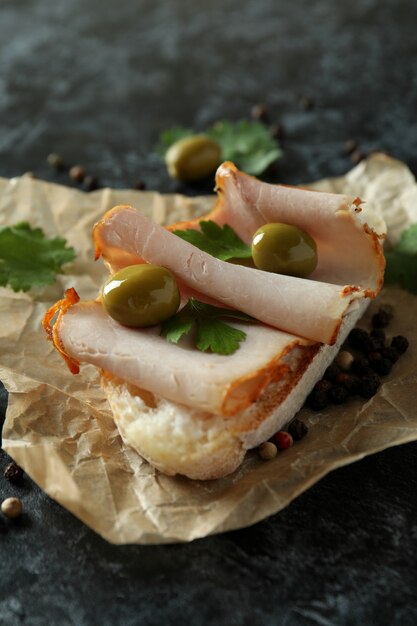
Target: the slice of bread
pixel 181 440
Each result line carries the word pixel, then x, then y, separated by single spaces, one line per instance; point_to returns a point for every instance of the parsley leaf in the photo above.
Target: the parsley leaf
pixel 219 241
pixel 402 261
pixel 29 259
pixel 211 332
pixel 248 144
pixel 168 137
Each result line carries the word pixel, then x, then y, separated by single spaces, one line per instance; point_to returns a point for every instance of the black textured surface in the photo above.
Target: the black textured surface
pixel 97 81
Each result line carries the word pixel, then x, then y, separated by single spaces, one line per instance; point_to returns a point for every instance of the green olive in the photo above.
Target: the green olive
pixel 193 158
pixel 141 295
pixel 284 249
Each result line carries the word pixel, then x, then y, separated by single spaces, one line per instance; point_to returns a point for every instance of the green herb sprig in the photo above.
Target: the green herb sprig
pixel 402 261
pixel 220 241
pixel 29 259
pixel 248 144
pixel 212 334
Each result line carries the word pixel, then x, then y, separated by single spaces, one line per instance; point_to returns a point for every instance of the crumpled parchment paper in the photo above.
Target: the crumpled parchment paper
pixel 59 426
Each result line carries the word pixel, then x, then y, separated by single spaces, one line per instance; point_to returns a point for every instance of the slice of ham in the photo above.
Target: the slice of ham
pixel 348 234
pixel 298 306
pixel 214 383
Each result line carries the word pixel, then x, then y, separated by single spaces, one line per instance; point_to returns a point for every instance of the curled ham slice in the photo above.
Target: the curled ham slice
pixel 295 305
pixel 351 261
pixel 214 383
pixel 347 233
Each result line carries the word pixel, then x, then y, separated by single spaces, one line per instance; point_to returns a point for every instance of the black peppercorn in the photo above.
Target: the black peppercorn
pixel 317 400
pixel 277 131
pixel 382 366
pixel 400 343
pixel 377 344
pixel 361 366
pixel 357 156
pixel 332 371
pixel 139 185
pixel 297 429
pixel 360 339
pixel 341 379
pixel 390 353
pixel 387 309
pixel 351 384
pixel 13 472
pixel 381 319
pixel 368 385
pixel 91 183
pixel 338 394
pixel 349 146
pixel 374 357
pixel 378 333
pixel 323 385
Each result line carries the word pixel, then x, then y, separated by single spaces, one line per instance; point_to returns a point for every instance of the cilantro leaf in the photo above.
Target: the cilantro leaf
pixel 212 333
pixel 220 241
pixel 168 137
pixel 178 325
pixel 29 259
pixel 248 144
pixel 402 261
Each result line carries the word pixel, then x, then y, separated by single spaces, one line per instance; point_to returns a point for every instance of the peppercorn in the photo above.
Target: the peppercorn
pixel 374 357
pixel 139 185
pixel 11 507
pixel 277 131
pixel 344 360
pixel 382 366
pixel 260 112
pixel 283 440
pixel 368 385
pixel 378 333
pixel 360 365
pixel 390 353
pixel 388 309
pixel 306 103
pixel 381 319
pixel 351 384
pixel 317 400
pixel 338 394
pixel 377 344
pixel 349 146
pixel 332 371
pixel 77 173
pixel 13 472
pixel 56 161
pixel 341 379
pixel 323 385
pixel 267 450
pixel 91 183
pixel 357 156
pixel 297 429
pixel 360 339
pixel 400 343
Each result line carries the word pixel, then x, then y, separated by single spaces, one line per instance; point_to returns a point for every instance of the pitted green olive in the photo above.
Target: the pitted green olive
pixel 193 158
pixel 141 295
pixel 284 249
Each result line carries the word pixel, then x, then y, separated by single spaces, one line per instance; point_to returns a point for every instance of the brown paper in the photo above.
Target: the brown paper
pixel 59 427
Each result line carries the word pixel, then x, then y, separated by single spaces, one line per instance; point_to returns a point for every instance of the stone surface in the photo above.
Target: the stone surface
pixel 98 82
